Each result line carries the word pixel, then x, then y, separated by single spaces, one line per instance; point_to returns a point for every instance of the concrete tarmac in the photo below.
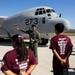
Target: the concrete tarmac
pixel 45 55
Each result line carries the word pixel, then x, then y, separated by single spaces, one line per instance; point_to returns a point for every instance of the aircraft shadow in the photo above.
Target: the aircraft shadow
pixel 5 44
pixel 72 54
pixel 73 51
pixel 8 43
pixel 72 72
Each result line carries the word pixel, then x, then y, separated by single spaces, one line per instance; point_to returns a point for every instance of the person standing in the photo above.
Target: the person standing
pixel 20 60
pixel 61 46
pixel 34 37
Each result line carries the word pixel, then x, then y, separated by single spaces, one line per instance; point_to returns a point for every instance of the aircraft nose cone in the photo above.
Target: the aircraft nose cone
pixel 67 25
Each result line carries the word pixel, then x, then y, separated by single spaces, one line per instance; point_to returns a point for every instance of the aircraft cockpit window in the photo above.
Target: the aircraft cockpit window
pixel 44 11
pixel 49 10
pixel 40 8
pixel 36 13
pixel 40 11
pixel 52 10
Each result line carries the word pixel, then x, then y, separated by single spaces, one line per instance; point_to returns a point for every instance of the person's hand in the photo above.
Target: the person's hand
pixel 32 40
pixel 18 28
pixel 63 62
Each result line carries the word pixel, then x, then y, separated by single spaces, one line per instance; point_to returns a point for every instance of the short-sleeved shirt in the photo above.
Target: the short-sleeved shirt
pixel 62 44
pixel 10 62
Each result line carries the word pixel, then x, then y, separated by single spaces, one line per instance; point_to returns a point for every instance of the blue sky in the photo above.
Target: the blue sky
pixel 66 7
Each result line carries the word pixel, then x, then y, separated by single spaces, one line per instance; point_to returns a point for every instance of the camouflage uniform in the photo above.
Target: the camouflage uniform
pixel 35 35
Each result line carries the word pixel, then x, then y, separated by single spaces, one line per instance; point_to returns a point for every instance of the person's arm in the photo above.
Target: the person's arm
pixel 38 38
pixel 9 72
pixel 33 64
pixel 5 68
pixel 63 61
pixel 30 69
pixel 27 31
pixel 69 53
pixel 57 55
pixel 66 58
pixel 70 45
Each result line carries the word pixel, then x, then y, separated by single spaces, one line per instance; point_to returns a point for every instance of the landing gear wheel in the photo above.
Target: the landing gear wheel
pixel 1 39
pixel 44 41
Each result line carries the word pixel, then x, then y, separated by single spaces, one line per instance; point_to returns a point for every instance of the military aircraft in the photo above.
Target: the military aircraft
pixel 43 17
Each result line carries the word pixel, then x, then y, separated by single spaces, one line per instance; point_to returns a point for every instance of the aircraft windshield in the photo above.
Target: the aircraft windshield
pixel 49 10
pixel 40 11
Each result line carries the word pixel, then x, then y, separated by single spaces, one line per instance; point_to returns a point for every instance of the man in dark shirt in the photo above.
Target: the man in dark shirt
pixel 62 47
pixel 34 37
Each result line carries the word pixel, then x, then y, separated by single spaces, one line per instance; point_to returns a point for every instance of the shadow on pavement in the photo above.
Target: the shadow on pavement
pixel 71 73
pixel 7 42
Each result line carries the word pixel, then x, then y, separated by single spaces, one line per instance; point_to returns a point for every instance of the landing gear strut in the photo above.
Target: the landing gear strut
pixel 44 41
